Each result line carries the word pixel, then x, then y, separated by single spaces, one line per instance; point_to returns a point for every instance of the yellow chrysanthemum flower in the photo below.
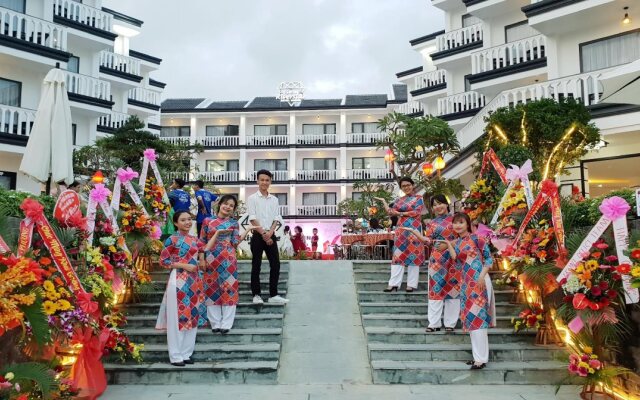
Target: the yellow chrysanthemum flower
pixel 63 305
pixel 592 265
pixel 48 286
pixel 50 307
pixel 635 272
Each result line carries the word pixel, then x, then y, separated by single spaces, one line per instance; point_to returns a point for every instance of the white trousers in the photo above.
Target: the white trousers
pixel 181 343
pixel 451 310
pixel 397 273
pixel 221 317
pixel 480 345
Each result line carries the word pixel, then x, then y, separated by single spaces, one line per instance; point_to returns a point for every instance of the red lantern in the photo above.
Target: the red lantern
pixel 389 157
pixel 427 168
pixel 97 177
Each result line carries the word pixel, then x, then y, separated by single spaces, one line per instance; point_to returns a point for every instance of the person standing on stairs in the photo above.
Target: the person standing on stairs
pixel 473 258
pixel 264 214
pixel 444 276
pixel 180 310
pixel 408 251
pixel 222 237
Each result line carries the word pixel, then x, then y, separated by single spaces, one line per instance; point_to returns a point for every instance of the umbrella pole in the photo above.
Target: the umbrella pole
pixel 47 188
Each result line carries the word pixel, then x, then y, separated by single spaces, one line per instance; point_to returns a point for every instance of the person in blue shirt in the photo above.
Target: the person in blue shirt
pixel 205 199
pixel 179 199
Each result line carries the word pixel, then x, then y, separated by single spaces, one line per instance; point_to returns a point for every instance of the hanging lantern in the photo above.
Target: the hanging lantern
pixel 439 163
pixel 97 177
pixel 427 168
pixel 419 149
pixel 389 157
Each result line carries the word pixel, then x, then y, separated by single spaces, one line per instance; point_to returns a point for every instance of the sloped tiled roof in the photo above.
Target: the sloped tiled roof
pixel 400 92
pixel 366 100
pixel 267 102
pixel 226 105
pixel 319 103
pixel 181 104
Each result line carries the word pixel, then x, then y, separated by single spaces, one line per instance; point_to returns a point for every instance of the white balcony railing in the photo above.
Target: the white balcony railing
pixel 33 30
pixel 220 176
pixel 513 53
pixel 145 96
pixel 16 120
pixel 321 210
pixel 83 14
pixel 218 141
pixel 317 175
pixel 371 138
pixel 119 62
pixel 411 108
pixel 367 174
pixel 89 86
pixel 115 120
pixel 459 37
pixel 277 175
pixel 585 87
pixel 273 140
pixel 430 79
pixel 181 140
pixel 317 139
pixel 283 209
pixel 179 175
pixel 460 102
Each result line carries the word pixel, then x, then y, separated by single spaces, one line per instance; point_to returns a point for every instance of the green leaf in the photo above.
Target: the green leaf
pixel 38 320
pixel 30 374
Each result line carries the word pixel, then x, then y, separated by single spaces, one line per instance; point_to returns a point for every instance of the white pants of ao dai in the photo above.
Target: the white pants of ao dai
pixel 181 343
pixel 221 317
pixel 480 337
pixel 451 310
pixel 397 273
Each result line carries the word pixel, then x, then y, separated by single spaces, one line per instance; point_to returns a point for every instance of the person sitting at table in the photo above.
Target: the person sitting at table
pixel 298 241
pixel 374 225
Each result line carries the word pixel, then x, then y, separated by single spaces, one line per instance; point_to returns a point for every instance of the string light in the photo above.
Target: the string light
pixel 524 130
pixel 566 137
pixel 439 163
pixel 501 134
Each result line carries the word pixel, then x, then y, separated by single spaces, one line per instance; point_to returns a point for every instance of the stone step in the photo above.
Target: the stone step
pixel 501 294
pixel 232 372
pixel 245 295
pixel 235 335
pixel 241 321
pixel 389 335
pixel 245 276
pixel 415 320
pixel 383 275
pixel 461 352
pixel 153 307
pixel 420 308
pixel 378 296
pixel 213 352
pixel 454 372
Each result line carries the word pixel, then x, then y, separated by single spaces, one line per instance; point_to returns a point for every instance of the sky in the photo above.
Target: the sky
pixel 240 49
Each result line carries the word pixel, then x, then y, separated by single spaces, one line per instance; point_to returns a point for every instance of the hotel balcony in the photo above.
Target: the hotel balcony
pixel 15 125
pixel 218 141
pixel 120 69
pixel 522 60
pixel 145 101
pixel 317 211
pixel 177 140
pixel 220 176
pixel 317 175
pixel 411 109
pixel 457 42
pixel 369 174
pixel 557 17
pixel 461 105
pixel 317 140
pixel 84 18
pixel 33 38
pixel 87 93
pixel 369 139
pixel 447 5
pixel 484 9
pixel 284 210
pixel 268 141
pixel 432 83
pixel 111 122
pixel 278 176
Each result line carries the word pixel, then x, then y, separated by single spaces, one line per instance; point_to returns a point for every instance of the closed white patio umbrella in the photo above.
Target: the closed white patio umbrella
pixel 49 151
pixel 622 85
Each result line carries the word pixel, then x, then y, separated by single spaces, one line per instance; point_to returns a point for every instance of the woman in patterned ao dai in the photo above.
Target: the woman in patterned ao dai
pixel 473 258
pixel 222 237
pixel 181 305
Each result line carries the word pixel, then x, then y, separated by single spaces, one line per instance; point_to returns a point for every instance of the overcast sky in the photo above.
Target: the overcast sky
pixel 240 49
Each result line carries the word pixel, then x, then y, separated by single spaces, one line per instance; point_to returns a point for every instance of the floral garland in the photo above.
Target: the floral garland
pixel 154 199
pixel 481 200
pixel 514 203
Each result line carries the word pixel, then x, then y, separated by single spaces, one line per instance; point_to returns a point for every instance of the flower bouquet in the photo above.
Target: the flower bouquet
pixel 481 201
pixel 513 206
pixel 632 271
pixel 529 318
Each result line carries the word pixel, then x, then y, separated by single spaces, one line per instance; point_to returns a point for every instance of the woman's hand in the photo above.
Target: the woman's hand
pixel 482 284
pixel 202 264
pixel 223 231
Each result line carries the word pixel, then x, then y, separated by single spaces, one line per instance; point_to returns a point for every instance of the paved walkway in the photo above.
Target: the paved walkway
pixel 323 339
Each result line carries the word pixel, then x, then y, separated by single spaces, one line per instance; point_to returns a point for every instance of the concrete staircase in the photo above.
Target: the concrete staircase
pixel 401 352
pixel 249 353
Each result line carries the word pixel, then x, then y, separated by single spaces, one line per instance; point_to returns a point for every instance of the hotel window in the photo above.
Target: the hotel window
pixel 282 198
pixel 610 51
pixel 74 64
pixel 355 196
pixel 319 199
pixel 364 127
pixel 222 130
pixel 10 92
pixel 175 131
pixel 270 165
pixel 368 163
pixel 222 165
pixel 520 30
pixel 74 133
pixel 318 164
pixel 7 180
pixel 269 130
pixel 468 20
pixel 318 129
pixel 15 5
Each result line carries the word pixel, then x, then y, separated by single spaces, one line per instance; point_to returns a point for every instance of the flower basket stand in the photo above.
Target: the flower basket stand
pixel 547 334
pixel 594 392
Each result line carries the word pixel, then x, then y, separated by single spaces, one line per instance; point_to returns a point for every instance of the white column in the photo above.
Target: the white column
pixel 243 164
pixel 343 192
pixel 292 200
pixel 293 163
pixel 242 194
pixel 343 163
pixel 342 133
pixel 242 140
pixel 193 164
pixel 292 129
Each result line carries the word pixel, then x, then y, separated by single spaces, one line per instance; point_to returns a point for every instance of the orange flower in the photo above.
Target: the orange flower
pixel 58 281
pixel 45 261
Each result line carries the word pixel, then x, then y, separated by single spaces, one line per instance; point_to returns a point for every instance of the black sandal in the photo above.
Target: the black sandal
pixel 476 366
pixel 431 330
pixel 449 329
pixel 390 289
pixel 409 290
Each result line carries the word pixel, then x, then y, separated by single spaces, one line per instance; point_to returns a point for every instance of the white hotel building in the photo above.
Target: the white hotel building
pixel 106 80
pixel 316 150
pixel 493 53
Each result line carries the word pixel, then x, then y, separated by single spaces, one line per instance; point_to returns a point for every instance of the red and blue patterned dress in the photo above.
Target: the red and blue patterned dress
pixel 444 276
pixel 408 250
pixel 221 275
pixel 179 248
pixel 477 310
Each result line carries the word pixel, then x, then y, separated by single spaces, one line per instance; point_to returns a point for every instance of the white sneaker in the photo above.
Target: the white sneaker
pixel 278 300
pixel 257 300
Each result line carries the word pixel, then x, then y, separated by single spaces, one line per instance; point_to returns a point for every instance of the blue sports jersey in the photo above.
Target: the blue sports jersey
pixel 180 200
pixel 207 199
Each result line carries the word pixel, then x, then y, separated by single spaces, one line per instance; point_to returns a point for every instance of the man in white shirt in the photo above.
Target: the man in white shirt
pixel 265 214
